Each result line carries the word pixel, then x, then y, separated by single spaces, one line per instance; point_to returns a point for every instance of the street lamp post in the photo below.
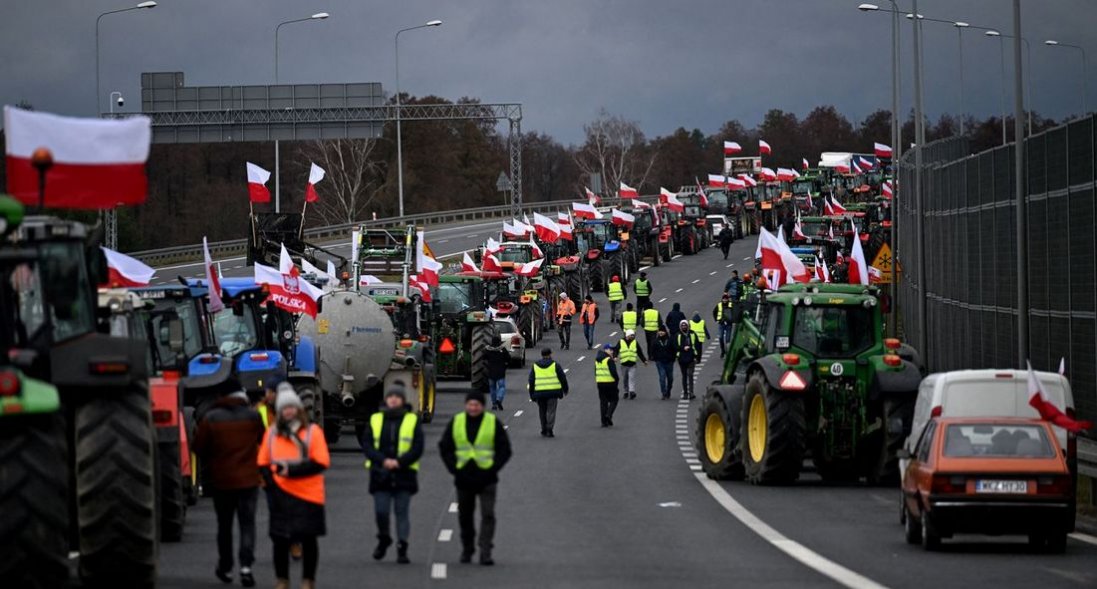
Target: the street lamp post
pixel 1028 65
pixel 98 87
pixel 1021 224
pixel 1085 85
pixel 277 155
pixel 399 143
pixel 960 26
pixel 919 199
pixel 1002 98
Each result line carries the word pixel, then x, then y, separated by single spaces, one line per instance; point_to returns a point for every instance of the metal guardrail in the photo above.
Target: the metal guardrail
pixel 1087 457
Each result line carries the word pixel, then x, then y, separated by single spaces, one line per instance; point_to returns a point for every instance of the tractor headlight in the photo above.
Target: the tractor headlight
pixel 807 301
pixel 869 303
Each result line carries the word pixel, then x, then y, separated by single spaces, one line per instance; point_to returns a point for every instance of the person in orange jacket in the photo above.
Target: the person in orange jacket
pixel 588 316
pixel 565 310
pixel 292 460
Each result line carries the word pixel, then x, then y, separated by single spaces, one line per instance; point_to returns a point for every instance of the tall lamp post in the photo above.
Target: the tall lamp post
pixel 959 26
pixel 399 143
pixel 1027 80
pixel 277 155
pixel 1085 85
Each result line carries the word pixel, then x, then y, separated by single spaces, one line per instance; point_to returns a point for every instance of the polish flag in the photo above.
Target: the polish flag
pixel 592 198
pixel 701 193
pixel 97 164
pixel 627 191
pixel 622 218
pixel 881 150
pixel 736 184
pixel 468 265
pixel 547 229
pixel 786 175
pixel 1047 409
pixel 836 206
pixel 822 274
pixel 747 180
pixel 798 230
pixel 858 267
pixel 285 262
pixel 584 211
pixel 828 210
pixel 776 255
pixel 842 168
pixel 422 287
pixel 804 163
pixel 124 271
pixel 511 230
pixel 427 267
pixel 887 189
pixel 316 174
pixel 257 184
pixel 640 205
pixel 537 253
pixel 731 148
pixel 864 164
pixel 213 279
pixel 764 148
pixel 717 180
pixel 670 199
pixel 492 246
pixel 491 263
pixel 529 269
pixel 289 291
pixel 564 223
pixel 768 175
pixel 856 168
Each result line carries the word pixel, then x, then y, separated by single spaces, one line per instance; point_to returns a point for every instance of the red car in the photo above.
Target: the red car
pixel 993 476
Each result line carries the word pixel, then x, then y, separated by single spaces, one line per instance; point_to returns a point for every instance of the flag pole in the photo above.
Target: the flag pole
pixel 304 207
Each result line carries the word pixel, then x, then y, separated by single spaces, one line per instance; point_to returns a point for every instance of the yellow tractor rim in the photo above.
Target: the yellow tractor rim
pixel 756 428
pixel 715 438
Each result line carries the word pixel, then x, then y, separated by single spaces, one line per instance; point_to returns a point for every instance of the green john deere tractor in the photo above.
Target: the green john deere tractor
pixel 809 372
pixel 463 330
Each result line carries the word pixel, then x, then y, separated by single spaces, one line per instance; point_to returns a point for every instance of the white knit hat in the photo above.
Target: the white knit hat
pixel 287 397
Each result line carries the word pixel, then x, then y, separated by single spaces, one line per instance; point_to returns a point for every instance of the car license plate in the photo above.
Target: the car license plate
pixel 1011 487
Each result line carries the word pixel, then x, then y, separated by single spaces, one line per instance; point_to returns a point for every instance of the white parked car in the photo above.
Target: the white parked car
pixel 513 341
pixel 717 222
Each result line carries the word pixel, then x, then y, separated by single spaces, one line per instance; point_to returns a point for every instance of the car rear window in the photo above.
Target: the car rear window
pixel 503 327
pixel 996 441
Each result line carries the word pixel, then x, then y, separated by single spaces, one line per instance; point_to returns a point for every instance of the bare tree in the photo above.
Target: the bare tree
pixel 615 148
pixel 355 177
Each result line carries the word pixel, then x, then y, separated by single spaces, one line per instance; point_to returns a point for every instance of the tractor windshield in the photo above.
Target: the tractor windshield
pixel 519 255
pixel 833 331
pixel 692 211
pixel 454 297
pixel 235 330
pixel 717 200
pixel 593 236
pixel 802 187
pixel 52 290
pixel 192 328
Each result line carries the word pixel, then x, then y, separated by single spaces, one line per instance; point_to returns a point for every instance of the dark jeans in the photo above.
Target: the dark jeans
pixel 466 512
pixel 235 504
pixel 383 502
pixel 643 302
pixel 687 377
pixel 588 332
pixel 666 377
pixel 547 410
pixel 607 401
pixel 565 334
pixel 725 337
pixel 310 557
pixel 724 247
pixel 651 337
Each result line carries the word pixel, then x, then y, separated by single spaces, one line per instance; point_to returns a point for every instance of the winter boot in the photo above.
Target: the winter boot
pixel 402 552
pixel 383 543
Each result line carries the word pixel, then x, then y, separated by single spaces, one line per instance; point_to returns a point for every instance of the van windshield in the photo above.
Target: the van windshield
pixel 991 440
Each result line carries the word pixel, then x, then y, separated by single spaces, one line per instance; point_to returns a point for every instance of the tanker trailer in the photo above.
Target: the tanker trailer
pixel 361 354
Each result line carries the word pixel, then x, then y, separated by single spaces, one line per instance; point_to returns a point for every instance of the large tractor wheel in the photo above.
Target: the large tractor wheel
pixel 718 437
pixel 898 415
pixel 309 392
pixel 427 394
pixel 116 491
pixel 478 369
pixel 774 433
pixel 574 286
pixel 34 482
pixel 173 496
pixel 527 325
pixel 633 258
pixel 653 248
pixel 597 277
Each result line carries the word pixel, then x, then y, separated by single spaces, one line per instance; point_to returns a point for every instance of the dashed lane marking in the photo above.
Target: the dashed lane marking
pixel 518 413
pixel 695 467
pixel 731 264
pixel 443 241
pixel 438 570
pixel 745 259
pixel 1084 538
pixel 692 461
pixel 445 535
pixel 613 334
pixel 580 358
pixel 663 300
pixel 679 290
pixel 713 273
pixel 644 268
pixel 453 507
pixel 694 282
pixel 566 370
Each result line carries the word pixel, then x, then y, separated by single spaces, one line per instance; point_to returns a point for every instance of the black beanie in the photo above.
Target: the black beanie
pixel 475 396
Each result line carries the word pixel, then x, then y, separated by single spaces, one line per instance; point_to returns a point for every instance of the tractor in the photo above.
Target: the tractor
pixel 605 252
pixel 462 328
pixel 650 238
pixel 269 232
pixel 697 235
pixel 809 372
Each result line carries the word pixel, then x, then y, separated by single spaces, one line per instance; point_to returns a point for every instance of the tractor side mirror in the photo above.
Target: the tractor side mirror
pixel 171 333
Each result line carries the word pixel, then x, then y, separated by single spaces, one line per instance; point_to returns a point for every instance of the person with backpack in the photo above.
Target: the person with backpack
pixel 605 379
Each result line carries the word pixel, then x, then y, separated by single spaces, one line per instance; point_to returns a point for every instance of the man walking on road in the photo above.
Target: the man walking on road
pixel 393 444
pixel 734 286
pixel 722 315
pixel 675 317
pixel 474 449
pixel 498 360
pixel 698 327
pixel 605 377
pixel 629 352
pixel 564 312
pixel 547 385
pixel 689 351
pixel 615 292
pixel 652 323
pixel 663 352
pixel 642 287
pixel 227 441
pixel 588 316
pixel 630 319
pixel 727 236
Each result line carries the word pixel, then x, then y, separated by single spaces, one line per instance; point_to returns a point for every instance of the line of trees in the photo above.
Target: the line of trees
pixel 200 189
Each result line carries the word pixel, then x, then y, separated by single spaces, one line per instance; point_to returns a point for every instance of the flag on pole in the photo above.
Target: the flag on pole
pixel 422 287
pixel 124 271
pixel 563 221
pixel 731 148
pixel 97 163
pixel 764 148
pixel 289 291
pixel 1047 409
pixel 529 269
pixel 213 280
pixel 881 150
pixel 627 191
pixel 257 184
pixel 547 230
pixel 622 218
pixel 822 274
pixel 592 198
pixel 804 163
pixel 768 175
pixel 747 180
pixel 717 180
pixel 776 255
pixel 858 267
pixel 864 164
pixel 670 199
pixel 426 266
pixel 316 174
pixel 786 174
pixel 887 189
pixel 491 263
pixel 701 193
pixel 468 265
pixel 585 211
pixel 492 246
pixel 285 262
pixel 836 206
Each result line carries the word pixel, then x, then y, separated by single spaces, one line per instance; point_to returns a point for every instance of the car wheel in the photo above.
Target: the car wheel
pixel 911 528
pixel 930 540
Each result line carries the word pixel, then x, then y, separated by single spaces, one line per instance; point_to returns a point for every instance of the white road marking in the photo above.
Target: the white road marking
pixel 695 467
pixel 745 259
pixel 676 257
pixel 644 268
pixel 797 551
pixel 518 413
pixel 713 273
pixel 670 504
pixel 580 359
pixel 445 535
pixel 663 300
pixel 566 370
pixel 731 264
pixel 438 570
pixel 679 290
pixel 443 241
pixel 692 461
pixel 694 282
pixel 613 334
pixel 1084 538
pixel 453 507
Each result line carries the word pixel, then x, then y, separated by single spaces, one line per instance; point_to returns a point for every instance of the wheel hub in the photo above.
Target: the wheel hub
pixel 756 428
pixel 715 438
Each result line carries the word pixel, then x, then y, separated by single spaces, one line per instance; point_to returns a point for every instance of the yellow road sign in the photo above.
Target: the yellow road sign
pixel 884 262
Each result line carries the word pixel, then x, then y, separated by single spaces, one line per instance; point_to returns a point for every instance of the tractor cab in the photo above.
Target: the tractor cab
pixel 252 333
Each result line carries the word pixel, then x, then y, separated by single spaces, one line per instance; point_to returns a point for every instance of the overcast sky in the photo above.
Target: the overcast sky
pixel 667 63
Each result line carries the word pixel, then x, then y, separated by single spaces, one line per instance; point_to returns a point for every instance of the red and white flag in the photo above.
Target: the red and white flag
pixel 836 206
pixel 257 184
pixel 627 191
pixel 822 274
pixel 858 267
pixel 798 230
pixel 213 279
pixel 736 184
pixel 289 291
pixel 592 198
pixel 547 229
pixel 124 271
pixel 856 168
pixel 422 287
pixel 564 223
pixel 585 211
pixel 640 205
pixel 285 262
pixel 786 174
pixel 670 199
pixel 1047 409
pixel 764 148
pixel 864 164
pixel 97 163
pixel 842 168
pixel 887 189
pixel 491 263
pixel 537 253
pixel 316 174
pixel 426 266
pixel 622 218
pixel 731 148
pixel 804 163
pixel 881 150
pixel 828 210
pixel 468 265
pixel 747 180
pixel 529 269
pixel 492 246
pixel 768 175
pixel 513 230
pixel 717 180
pixel 776 255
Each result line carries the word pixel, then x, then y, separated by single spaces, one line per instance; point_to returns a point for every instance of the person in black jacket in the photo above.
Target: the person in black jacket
pixel 675 317
pixel 689 351
pixel 475 476
pixel 606 379
pixel 498 359
pixel 727 236
pixel 393 461
pixel 663 352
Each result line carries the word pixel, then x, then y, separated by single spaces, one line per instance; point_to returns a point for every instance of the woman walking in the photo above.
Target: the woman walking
pixel 292 460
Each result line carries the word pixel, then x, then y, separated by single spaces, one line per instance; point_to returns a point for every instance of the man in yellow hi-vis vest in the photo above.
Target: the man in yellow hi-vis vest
pixel 547 385
pixel 605 378
pixel 475 448
pixel 615 292
pixel 393 444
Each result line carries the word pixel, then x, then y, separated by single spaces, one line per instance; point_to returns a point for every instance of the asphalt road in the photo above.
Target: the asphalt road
pixel 627 506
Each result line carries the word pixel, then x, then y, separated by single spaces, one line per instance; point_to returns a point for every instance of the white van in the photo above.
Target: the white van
pixel 987 393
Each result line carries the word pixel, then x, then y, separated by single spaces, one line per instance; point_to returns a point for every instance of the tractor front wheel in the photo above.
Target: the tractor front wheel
pixel 478 369
pixel 717 439
pixel 774 428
